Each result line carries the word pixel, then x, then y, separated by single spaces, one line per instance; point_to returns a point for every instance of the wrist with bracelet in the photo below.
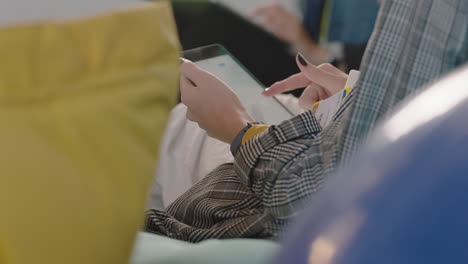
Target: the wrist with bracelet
pixel 237 142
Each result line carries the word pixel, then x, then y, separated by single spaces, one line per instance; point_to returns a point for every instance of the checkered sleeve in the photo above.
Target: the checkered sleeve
pixel 301 126
pixel 285 164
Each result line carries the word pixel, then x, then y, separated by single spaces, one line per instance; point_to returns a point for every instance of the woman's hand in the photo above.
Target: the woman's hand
pixel 320 81
pixel 211 103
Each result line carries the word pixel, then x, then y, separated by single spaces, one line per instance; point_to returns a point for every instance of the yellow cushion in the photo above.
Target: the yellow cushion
pixel 82 107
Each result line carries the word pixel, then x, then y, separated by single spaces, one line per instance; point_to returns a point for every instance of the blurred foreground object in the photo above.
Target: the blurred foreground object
pixel 83 103
pixel 404 199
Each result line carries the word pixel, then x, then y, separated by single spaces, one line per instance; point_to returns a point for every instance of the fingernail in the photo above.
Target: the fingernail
pixel 302 59
pixel 266 90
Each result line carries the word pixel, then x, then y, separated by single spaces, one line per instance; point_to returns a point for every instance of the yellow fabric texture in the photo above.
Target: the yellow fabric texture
pixel 83 104
pixel 253 131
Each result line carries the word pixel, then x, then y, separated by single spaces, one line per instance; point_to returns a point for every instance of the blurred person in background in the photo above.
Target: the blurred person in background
pixel 331 31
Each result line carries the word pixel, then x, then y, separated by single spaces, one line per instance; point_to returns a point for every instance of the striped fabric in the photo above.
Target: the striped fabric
pixel 218 206
pixel 414 42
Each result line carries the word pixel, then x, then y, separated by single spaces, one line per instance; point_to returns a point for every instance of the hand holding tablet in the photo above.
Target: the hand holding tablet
pixel 218 61
pixel 222 96
pixel 211 103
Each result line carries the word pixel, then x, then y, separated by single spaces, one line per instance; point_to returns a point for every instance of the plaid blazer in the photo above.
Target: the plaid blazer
pixel 414 42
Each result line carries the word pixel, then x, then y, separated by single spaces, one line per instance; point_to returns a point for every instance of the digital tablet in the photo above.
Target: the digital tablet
pixel 218 61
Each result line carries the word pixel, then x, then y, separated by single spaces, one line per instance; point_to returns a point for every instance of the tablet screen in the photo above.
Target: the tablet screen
pixel 263 109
